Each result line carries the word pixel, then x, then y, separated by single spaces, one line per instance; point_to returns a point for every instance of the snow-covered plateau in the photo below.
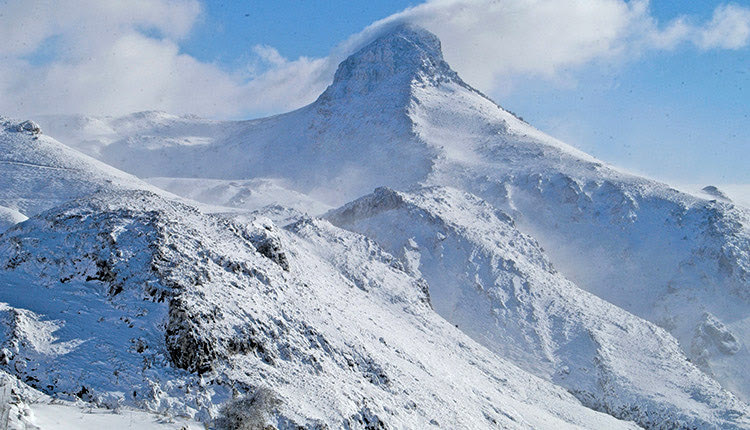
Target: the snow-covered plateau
pixel 402 253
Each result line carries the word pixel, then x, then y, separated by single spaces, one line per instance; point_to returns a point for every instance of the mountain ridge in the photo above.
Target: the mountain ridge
pixel 190 311
pixel 498 285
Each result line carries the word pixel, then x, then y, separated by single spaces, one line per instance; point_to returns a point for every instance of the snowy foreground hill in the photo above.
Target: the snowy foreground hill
pixel 401 253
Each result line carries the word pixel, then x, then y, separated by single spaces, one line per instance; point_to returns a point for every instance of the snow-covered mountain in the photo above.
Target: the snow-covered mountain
pixel 358 133
pixel 150 303
pixel 37 173
pixel 630 295
pixel 499 287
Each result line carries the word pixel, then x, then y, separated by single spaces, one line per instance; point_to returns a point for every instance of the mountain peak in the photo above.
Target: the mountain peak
pixel 396 57
pixel 410 41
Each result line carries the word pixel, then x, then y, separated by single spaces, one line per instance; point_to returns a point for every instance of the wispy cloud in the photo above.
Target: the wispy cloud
pixel 109 57
pixel 729 29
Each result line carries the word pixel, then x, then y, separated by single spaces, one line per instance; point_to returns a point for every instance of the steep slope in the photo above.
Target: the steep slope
pixel 129 299
pixel 396 115
pixel 675 259
pixel 497 285
pixel 37 172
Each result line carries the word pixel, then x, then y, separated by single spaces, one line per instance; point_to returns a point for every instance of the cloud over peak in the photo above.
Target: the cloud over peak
pixel 109 57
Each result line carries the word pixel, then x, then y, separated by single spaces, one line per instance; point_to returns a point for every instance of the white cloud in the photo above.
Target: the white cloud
pixel 112 57
pixel 678 31
pixel 490 41
pixel 729 28
pixel 87 24
pixel 269 54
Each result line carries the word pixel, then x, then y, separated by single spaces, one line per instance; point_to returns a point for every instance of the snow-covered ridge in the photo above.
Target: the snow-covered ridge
pixel 497 285
pixel 37 172
pixel 150 303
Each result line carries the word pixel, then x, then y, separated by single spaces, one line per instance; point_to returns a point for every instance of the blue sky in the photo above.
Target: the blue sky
pixel 661 88
pixel 228 29
pixel 682 116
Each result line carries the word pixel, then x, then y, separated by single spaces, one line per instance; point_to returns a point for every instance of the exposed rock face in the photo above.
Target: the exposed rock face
pixel 187 348
pixel 393 62
pixel 711 337
pixel 266 241
pixel 28 126
pixel 714 191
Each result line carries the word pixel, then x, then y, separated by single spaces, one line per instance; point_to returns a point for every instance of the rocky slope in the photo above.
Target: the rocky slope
pixel 150 303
